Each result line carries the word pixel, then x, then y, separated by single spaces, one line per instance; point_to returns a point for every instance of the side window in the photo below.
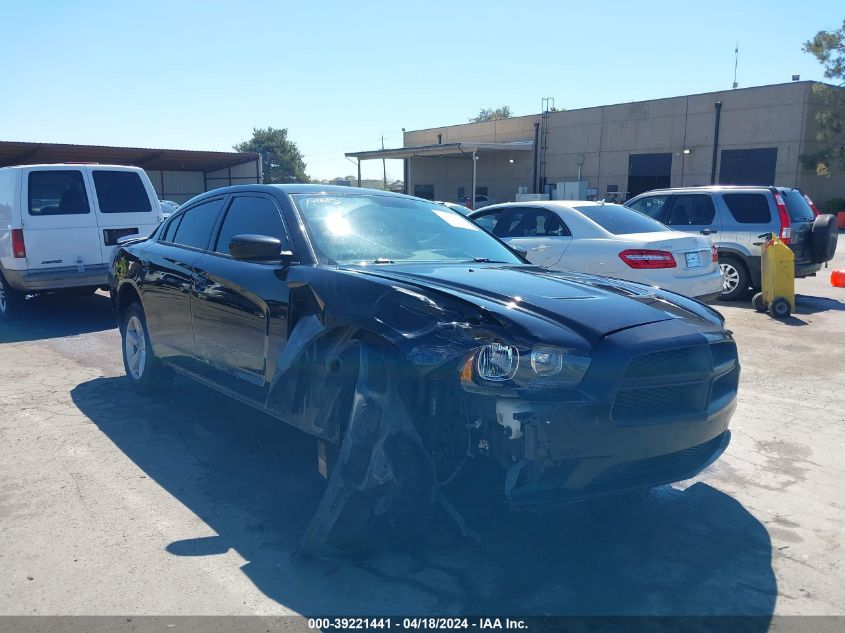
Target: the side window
pixel 57 192
pixel 748 208
pixel 251 215
pixel 691 210
pixel 121 192
pixel 170 229
pixel 488 221
pixel 531 222
pixel 197 224
pixel 652 206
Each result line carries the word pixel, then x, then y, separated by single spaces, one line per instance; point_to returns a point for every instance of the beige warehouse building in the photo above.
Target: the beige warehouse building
pixel 617 151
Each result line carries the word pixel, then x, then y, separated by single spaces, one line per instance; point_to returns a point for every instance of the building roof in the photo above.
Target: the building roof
pixel 465 148
pixel 21 153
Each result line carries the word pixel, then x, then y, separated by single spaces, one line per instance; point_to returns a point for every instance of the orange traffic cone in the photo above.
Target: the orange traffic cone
pixel 837 278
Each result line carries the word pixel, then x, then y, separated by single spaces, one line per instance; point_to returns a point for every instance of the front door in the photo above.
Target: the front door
pixel 240 308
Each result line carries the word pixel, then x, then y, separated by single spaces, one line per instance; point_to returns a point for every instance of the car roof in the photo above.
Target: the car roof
pixel 300 188
pixel 715 188
pixel 568 204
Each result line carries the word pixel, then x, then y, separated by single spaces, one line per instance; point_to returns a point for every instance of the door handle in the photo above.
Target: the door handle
pixel 706 232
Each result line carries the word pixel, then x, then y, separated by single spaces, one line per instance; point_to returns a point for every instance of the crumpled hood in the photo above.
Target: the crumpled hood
pixel 589 305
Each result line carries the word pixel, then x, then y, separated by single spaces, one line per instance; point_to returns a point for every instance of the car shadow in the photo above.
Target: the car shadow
pixel 253 480
pixel 58 314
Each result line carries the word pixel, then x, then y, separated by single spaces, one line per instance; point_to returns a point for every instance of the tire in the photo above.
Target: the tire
pixel 145 373
pixel 12 302
pixel 736 279
pixel 823 237
pixel 780 308
pixel 758 303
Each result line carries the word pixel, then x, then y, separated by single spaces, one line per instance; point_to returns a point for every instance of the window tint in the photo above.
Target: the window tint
pixel 694 209
pixel 488 221
pixel 797 205
pixel 170 229
pixel 57 192
pixel 121 192
pixel 652 206
pixel 249 215
pixel 620 220
pixel 748 208
pixel 198 223
pixel 530 222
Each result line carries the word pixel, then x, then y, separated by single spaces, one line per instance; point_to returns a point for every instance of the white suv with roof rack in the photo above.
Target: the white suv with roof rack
pixel 60 223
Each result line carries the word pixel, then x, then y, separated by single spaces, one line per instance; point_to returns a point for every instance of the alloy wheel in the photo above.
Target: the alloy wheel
pixel 135 347
pixel 730 277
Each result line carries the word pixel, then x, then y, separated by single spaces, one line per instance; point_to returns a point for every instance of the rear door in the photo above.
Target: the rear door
pixel 124 203
pixel 749 214
pixel 801 217
pixel 539 231
pixel 58 219
pixel 692 213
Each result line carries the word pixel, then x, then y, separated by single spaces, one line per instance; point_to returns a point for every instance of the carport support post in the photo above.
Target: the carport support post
pixel 359 172
pixel 474 178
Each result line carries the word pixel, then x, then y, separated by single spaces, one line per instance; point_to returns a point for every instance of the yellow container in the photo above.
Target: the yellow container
pixel 778 279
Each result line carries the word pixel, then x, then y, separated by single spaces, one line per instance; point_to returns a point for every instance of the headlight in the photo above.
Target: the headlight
pixel 497 362
pixel 548 368
pixel 546 361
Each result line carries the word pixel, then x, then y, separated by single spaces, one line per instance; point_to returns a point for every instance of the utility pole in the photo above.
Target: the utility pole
pixel 384 164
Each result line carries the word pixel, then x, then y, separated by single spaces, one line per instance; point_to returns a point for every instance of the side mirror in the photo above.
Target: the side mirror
pixel 258 248
pixel 522 252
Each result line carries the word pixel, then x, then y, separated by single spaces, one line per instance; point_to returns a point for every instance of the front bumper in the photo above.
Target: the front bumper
pixel 654 408
pixel 57 278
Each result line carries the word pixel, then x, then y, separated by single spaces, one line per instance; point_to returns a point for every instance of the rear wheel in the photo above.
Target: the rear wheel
pixel 735 278
pixel 11 300
pixel 145 372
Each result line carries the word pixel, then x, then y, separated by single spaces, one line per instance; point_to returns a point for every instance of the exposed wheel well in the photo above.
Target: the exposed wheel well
pixel 126 296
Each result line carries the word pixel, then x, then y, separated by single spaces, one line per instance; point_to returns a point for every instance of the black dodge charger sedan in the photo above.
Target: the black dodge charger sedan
pixel 407 341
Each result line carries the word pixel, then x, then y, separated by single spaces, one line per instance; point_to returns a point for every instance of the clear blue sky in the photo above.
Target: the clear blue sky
pixel 338 75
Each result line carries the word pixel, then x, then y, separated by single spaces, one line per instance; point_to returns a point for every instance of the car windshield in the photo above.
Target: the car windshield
pixel 371 228
pixel 620 220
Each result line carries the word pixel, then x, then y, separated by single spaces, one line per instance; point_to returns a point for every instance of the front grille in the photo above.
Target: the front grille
pixel 675 384
pixel 669 362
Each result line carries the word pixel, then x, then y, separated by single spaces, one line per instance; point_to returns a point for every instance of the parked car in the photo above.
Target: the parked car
pixel 607 239
pixel 168 207
pixel 480 201
pixel 406 340
pixel 736 217
pixel 59 225
pixel 457 207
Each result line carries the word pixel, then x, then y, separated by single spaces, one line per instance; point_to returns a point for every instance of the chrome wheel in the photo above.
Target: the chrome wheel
pixel 730 277
pixel 135 347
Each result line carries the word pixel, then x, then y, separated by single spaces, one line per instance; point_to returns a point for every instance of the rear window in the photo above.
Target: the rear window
pixel 57 192
pixel 749 208
pixel 796 204
pixel 620 220
pixel 121 192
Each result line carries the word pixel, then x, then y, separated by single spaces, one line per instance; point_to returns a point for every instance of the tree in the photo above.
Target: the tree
pixel 829 48
pixel 281 158
pixel 490 114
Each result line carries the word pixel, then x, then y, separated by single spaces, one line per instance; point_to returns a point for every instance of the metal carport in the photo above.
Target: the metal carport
pixel 468 149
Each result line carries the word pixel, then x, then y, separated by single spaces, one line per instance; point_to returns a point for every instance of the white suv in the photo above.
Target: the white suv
pixel 59 225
